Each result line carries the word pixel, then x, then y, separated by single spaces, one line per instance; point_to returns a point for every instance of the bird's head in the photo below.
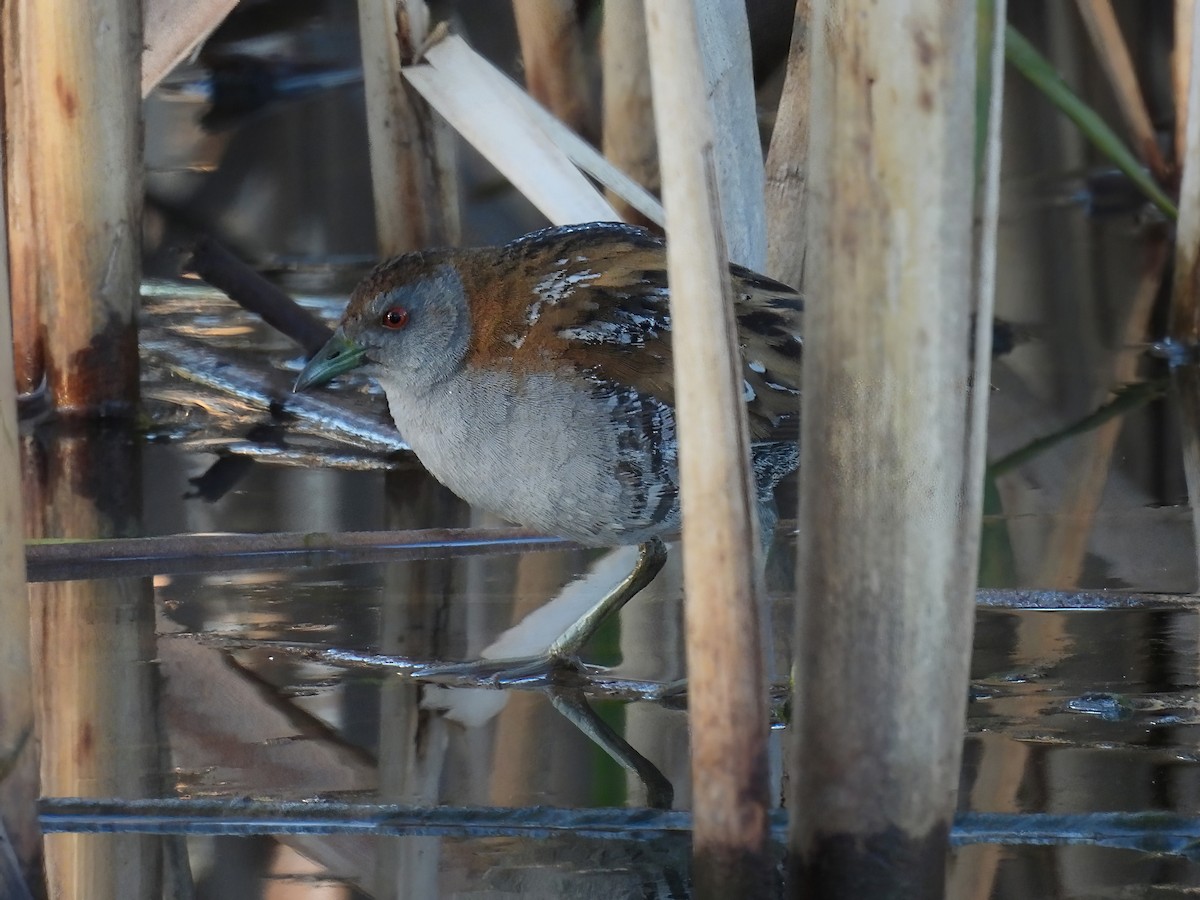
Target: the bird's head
pixel 408 324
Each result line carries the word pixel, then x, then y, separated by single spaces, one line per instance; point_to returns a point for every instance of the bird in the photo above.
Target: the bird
pixel 534 380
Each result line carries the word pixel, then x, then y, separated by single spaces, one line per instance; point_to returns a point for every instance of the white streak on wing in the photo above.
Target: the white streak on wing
pixel 555 288
pixel 755 366
pixel 747 391
pixel 627 328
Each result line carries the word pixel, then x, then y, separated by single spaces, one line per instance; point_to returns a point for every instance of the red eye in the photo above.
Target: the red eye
pixel 395 318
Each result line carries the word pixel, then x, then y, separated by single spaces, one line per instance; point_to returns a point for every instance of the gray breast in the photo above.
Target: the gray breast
pixel 564 456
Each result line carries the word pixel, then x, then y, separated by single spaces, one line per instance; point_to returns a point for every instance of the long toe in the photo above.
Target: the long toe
pixel 545 669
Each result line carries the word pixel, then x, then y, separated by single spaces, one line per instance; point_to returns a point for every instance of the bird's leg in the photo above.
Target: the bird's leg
pixel 573 705
pixel 652 556
pixel 563 652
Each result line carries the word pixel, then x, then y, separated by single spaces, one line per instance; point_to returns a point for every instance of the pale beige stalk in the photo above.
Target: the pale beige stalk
pixel 73 111
pixel 173 31
pixel 411 147
pixel 725 665
pixel 484 112
pixel 1181 70
pixel 890 445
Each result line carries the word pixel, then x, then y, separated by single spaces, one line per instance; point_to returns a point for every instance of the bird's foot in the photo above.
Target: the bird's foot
pixel 544 669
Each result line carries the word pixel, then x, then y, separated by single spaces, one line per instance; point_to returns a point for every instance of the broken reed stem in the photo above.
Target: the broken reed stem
pixel 1113 52
pixel 552 55
pixel 889 515
pixel 1185 299
pixel 73 109
pixel 464 88
pixel 725 664
pixel 629 141
pixel 173 29
pixel 412 153
pixel 787 243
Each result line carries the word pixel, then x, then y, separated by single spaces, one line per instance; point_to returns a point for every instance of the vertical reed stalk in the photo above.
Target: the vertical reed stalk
pixel 890 443
pixel 629 141
pixel 416 206
pixel 73 112
pixel 787 243
pixel 412 154
pixel 725 665
pixel 1181 70
pixel 552 52
pixel 29 363
pixel 18 746
pixel 737 148
pixel 1185 301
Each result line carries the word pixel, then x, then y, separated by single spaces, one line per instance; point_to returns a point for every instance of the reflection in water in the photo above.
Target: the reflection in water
pixel 94 640
pixel 262 692
pixel 255 706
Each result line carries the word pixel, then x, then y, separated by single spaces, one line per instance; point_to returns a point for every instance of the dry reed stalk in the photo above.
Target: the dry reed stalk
pixel 1185 300
pixel 1066 548
pixel 1105 33
pixel 1181 69
pixel 725 665
pixel 787 244
pixel 890 504
pixel 173 29
pixel 18 747
pixel 467 94
pixel 737 149
pixel 628 129
pixel 29 364
pixel 76 98
pixel 552 53
pixel 983 277
pixel 412 153
pixel 458 70
pixel 973 872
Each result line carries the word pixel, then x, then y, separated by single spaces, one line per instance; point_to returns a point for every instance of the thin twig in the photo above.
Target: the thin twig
pixel 176 553
pixel 246 287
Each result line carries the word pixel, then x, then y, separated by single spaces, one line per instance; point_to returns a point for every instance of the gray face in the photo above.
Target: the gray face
pixel 414 334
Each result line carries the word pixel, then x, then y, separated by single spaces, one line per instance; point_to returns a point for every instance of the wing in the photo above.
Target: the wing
pixel 595 298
